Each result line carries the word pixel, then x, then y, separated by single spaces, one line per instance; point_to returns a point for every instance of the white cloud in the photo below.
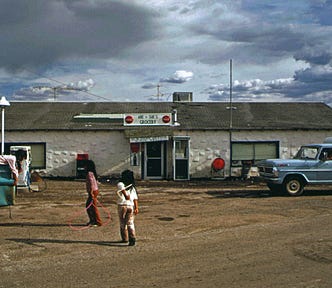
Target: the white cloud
pixel 180 76
pixel 84 85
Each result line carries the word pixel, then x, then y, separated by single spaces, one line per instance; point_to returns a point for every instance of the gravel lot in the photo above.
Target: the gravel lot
pixel 196 234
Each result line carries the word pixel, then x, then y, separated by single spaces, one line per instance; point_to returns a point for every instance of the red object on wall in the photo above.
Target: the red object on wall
pixel 134 147
pixel 129 119
pixel 83 156
pixel 218 164
pixel 166 119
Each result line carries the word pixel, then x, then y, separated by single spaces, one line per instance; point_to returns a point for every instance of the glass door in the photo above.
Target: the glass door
pixel 154 160
pixel 181 159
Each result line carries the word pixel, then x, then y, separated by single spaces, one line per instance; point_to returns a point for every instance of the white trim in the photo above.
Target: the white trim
pixel 99 116
pixel 149 139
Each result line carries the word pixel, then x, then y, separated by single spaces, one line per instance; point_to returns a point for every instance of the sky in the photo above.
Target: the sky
pixel 134 50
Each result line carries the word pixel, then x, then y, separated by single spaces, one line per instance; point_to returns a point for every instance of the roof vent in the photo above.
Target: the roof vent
pixel 182 96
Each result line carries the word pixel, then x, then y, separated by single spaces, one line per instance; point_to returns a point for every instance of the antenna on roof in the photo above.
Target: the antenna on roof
pixel 158 91
pixel 159 95
pixel 63 85
pixel 56 88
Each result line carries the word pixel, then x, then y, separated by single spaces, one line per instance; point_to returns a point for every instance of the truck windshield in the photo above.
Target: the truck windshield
pixel 307 153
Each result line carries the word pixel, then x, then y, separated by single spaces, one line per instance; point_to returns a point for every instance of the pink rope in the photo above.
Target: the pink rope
pixel 79 213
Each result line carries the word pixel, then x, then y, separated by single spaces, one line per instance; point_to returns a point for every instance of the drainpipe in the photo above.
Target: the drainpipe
pixel 175 118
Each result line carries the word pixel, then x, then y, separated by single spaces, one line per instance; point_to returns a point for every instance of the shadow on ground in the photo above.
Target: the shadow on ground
pixel 38 242
pixel 243 193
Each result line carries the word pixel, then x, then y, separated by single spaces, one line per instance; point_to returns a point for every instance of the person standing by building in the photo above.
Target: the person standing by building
pixel 22 167
pixel 127 209
pixel 92 189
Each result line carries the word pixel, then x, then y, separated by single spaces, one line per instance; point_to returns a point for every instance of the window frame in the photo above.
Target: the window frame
pixel 252 154
pixel 31 144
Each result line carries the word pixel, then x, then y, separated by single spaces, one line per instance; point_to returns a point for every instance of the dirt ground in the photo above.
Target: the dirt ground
pixel 196 234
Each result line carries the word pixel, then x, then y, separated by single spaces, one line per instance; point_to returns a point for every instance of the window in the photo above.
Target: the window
pixel 254 151
pixel 181 149
pixel 38 153
pixel 326 154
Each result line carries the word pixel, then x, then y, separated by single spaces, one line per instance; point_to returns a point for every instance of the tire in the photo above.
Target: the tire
pixel 294 186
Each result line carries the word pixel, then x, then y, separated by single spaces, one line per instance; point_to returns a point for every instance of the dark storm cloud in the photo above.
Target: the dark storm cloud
pixel 315 55
pixel 322 12
pixel 252 42
pixel 116 42
pixel 321 76
pixel 148 86
pixel 265 34
pixel 37 32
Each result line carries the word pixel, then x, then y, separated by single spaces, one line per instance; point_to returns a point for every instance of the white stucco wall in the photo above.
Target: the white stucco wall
pixel 205 146
pixel 110 149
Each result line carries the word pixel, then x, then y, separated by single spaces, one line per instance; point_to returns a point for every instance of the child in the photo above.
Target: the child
pixel 127 209
pixel 92 189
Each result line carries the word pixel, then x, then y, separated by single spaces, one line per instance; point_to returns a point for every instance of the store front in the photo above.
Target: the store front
pixel 161 157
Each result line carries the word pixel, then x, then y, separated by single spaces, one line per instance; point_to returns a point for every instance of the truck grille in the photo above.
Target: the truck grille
pixel 265 170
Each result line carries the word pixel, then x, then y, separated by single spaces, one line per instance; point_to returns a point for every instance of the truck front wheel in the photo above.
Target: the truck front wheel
pixel 294 186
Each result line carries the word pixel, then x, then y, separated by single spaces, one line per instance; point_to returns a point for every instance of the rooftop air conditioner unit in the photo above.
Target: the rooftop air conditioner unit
pixel 182 96
pixel 328 140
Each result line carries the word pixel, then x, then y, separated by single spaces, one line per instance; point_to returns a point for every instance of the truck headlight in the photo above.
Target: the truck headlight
pixel 275 172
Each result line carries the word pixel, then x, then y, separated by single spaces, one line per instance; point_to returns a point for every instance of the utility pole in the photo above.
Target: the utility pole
pixel 230 114
pixel 230 95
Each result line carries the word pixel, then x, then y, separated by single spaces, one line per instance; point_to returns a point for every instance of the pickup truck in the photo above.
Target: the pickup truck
pixel 311 165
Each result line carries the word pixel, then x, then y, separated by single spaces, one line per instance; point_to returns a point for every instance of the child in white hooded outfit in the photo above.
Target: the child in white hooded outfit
pixel 127 209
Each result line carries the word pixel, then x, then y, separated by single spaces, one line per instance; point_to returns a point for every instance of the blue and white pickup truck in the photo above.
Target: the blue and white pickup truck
pixel 311 165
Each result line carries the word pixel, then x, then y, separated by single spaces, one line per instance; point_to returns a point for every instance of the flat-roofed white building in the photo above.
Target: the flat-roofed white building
pixel 162 140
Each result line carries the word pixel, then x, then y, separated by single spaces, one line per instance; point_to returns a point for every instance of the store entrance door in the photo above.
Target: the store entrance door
pixel 181 158
pixel 154 160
